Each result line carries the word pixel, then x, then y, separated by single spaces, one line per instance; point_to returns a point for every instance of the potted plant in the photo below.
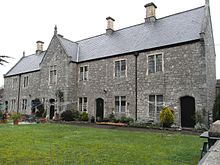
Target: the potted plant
pixel 15 117
pixel 92 119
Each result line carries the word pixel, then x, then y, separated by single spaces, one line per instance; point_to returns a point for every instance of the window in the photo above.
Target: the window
pixel 13 103
pixel 25 81
pixel 155 63
pixel 155 105
pixel 24 104
pixel 120 104
pixel 53 74
pixel 83 104
pixel 120 68
pixel 83 73
pixel 14 82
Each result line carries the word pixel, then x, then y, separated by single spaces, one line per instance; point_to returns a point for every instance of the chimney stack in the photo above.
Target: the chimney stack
pixel 39 46
pixel 150 12
pixel 110 25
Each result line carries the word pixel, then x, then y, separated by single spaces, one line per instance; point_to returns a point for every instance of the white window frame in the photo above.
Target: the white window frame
pixel 26 81
pixel 120 111
pixel 54 68
pixel 83 104
pixel 13 104
pixel 155 66
pixel 24 104
pixel 155 104
pixel 83 66
pixel 126 61
pixel 14 82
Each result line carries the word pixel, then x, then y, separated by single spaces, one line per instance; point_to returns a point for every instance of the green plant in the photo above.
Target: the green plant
pixel 84 116
pixel 166 117
pixel 126 120
pixel 111 117
pixel 1 114
pixel 75 114
pixel 15 116
pixel 92 119
pixel 216 109
pixel 67 115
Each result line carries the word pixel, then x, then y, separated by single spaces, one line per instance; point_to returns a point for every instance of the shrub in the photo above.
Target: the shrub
pixel 166 117
pixel 16 116
pixel 92 119
pixel 84 116
pixel 111 117
pixel 67 115
pixel 216 109
pixel 126 120
pixel 75 114
pixel 1 114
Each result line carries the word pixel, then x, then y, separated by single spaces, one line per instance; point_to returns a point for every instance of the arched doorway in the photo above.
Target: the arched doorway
pixel 52 108
pixel 99 108
pixel 187 104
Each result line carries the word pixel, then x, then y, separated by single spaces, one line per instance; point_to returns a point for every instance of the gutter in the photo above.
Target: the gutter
pixel 19 91
pixel 136 54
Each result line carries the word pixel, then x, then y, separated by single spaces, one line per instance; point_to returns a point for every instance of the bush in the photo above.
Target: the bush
pixel 126 120
pixel 166 117
pixel 70 115
pixel 111 117
pixel 16 116
pixel 75 114
pixel 84 116
pixel 1 114
pixel 216 109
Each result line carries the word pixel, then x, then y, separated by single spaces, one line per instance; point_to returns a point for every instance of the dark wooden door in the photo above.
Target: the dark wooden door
pixel 99 108
pixel 187 111
pixel 51 112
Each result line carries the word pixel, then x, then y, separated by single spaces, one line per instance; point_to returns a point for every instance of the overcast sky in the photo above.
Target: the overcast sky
pixel 23 22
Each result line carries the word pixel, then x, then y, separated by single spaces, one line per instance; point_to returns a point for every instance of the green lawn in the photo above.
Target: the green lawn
pixel 68 144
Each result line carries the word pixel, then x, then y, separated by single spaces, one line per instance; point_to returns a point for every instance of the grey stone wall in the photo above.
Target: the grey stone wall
pixel 210 64
pixel 184 75
pixel 101 79
pixel 29 92
pixel 56 55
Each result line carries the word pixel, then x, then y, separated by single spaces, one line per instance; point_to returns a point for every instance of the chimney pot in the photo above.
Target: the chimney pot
pixel 150 12
pixel 110 25
pixel 39 46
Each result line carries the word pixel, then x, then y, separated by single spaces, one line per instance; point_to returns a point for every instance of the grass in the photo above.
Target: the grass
pixel 68 144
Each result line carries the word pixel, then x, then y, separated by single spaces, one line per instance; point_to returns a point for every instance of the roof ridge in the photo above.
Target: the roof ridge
pixel 33 54
pixel 68 40
pixel 141 23
pixel 181 12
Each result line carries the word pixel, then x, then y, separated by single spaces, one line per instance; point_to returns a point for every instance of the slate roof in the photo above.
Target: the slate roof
pixel 27 64
pixel 173 29
pixel 178 28
pixel 70 47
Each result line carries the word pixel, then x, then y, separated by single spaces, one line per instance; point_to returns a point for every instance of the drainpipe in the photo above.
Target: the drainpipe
pixel 19 90
pixel 136 54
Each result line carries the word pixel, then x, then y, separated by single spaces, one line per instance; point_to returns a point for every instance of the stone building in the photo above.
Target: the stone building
pixel 132 72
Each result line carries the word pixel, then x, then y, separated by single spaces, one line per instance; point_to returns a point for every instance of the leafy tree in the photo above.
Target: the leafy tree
pixel 2 59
